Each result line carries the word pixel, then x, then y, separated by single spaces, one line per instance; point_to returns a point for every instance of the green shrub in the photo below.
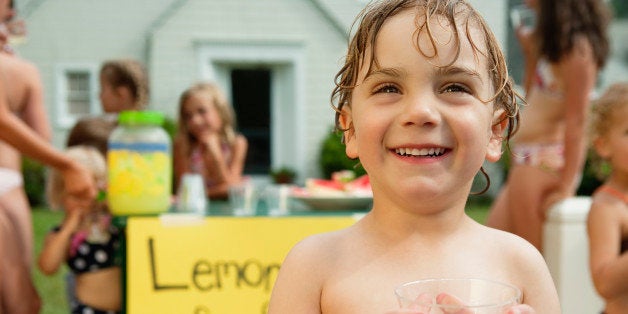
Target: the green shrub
pixel 34 181
pixel 594 169
pixel 333 157
pixel 283 175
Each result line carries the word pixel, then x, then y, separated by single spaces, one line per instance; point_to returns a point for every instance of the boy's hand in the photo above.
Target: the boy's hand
pixel 517 309
pixel 447 299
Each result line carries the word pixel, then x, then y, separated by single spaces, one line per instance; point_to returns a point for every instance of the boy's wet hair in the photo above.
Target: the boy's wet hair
pixel 131 74
pixel 370 22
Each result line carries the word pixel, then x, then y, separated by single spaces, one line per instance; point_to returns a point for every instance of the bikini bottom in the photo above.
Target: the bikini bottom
pixel 80 308
pixel 547 157
pixel 9 180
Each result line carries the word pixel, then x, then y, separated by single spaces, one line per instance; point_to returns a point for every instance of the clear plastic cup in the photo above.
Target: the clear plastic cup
pixel 243 199
pixel 191 196
pixel 277 197
pixel 478 296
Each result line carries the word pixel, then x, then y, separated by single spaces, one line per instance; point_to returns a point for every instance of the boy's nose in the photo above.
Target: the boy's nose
pixel 421 111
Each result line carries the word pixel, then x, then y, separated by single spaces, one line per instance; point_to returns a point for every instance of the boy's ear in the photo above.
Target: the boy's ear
pixel 348 133
pixel 494 149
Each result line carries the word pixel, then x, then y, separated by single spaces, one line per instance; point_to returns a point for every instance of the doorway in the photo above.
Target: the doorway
pixel 251 99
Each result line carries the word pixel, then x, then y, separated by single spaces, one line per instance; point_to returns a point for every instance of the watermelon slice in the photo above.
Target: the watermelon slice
pixel 321 187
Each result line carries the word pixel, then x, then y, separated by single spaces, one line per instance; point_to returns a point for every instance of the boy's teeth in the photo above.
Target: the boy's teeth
pixel 420 152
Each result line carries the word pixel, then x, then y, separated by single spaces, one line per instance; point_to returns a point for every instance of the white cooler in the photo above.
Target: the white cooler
pixel 566 251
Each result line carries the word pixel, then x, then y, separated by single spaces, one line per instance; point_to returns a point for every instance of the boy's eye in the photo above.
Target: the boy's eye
pixel 456 88
pixel 387 89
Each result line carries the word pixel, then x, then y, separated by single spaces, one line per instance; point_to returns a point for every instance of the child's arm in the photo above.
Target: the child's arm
pixel 78 182
pixel 227 173
pixel 56 245
pixel 528 48
pixel 240 149
pixel 180 161
pixel 579 72
pixel 609 268
pixel 298 285
pixel 530 273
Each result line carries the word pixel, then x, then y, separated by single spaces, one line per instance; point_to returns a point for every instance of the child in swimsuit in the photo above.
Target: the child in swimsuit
pixel 86 241
pixel 563 55
pixel 607 222
pixel 207 142
pixel 423 100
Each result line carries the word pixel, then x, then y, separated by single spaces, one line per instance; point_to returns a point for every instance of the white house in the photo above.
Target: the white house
pixel 276 58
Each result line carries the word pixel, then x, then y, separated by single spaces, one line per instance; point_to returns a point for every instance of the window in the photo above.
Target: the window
pixel 76 93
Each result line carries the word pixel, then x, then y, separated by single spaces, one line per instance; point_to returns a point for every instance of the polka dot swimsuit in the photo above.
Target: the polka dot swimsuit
pixel 90 256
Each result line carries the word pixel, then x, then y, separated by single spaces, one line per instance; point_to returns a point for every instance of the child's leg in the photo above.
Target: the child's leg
pixel 499 216
pixel 16 206
pixel 526 189
pixel 17 291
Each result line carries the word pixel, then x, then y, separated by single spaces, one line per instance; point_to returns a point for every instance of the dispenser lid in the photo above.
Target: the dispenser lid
pixel 143 117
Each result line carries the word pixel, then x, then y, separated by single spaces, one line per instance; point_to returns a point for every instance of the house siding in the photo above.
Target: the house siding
pixel 167 35
pixel 175 66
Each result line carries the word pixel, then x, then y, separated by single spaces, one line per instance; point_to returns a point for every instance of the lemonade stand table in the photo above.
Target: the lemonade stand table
pixel 218 263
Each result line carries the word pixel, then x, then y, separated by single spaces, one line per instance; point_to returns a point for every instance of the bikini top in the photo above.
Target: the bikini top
pixel 92 253
pixel 613 192
pixel 545 80
pixel 618 194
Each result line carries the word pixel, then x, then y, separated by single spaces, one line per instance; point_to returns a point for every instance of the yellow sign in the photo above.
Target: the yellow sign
pixel 211 265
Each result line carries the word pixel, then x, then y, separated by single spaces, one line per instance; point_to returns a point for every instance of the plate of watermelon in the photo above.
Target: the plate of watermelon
pixel 343 192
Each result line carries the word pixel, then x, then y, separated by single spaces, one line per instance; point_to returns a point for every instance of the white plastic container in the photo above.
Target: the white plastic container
pixel 139 162
pixel 566 251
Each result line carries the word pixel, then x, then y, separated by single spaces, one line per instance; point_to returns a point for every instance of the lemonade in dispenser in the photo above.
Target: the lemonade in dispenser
pixel 139 165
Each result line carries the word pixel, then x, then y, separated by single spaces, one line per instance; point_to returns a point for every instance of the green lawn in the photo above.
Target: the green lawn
pixel 52 288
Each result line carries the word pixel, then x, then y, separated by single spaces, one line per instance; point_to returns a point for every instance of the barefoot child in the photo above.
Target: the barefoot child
pixel 424 99
pixel 607 222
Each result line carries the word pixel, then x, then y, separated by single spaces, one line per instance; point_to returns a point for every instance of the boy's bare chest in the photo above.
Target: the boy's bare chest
pixel 366 284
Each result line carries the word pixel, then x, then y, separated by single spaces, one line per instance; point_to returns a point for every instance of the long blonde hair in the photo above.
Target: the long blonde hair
pixel 223 107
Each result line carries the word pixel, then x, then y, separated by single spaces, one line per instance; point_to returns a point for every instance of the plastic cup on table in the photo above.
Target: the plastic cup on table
pixel 191 196
pixel 465 296
pixel 243 199
pixel 277 197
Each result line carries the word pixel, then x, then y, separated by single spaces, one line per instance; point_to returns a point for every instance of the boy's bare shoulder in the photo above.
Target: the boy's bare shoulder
pixel 320 246
pixel 511 245
pixel 18 65
pixel 524 266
